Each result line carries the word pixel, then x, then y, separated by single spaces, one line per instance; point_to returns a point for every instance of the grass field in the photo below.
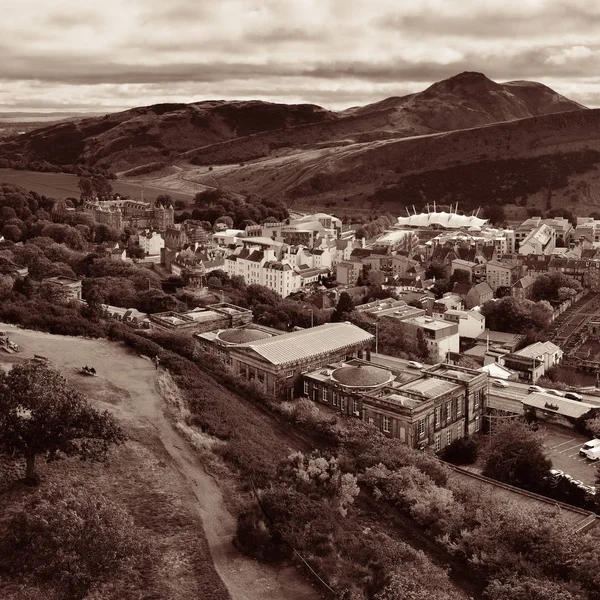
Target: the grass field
pixel 62 185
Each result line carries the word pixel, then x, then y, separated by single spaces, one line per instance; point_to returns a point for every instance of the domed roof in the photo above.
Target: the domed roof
pixel 361 376
pixel 242 336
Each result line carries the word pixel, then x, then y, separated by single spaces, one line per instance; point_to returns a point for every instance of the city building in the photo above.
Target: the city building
pixel 347 272
pixel 136 214
pixel 427 410
pixel 278 363
pixel 523 288
pixel 471 323
pixel 214 316
pixel 541 240
pixel 441 336
pixel 502 274
pixel 389 307
pixel 550 354
pixel 151 242
pixel 479 294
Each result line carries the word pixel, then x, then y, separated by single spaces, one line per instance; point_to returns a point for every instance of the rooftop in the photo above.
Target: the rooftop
pixel 362 376
pixel 430 387
pixel 242 336
pixel 561 406
pixel 430 323
pixel 315 341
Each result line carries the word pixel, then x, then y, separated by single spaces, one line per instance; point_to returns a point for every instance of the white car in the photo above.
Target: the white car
pixel 590 447
pixel 415 364
pixel 499 383
pixel 555 393
pixel 536 388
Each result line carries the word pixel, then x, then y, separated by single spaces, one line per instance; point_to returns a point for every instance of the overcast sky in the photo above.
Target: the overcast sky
pixel 113 54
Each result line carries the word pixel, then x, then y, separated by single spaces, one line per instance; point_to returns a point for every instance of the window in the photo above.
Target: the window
pixel 459 432
pixel 306 388
pixel 438 442
pixel 386 424
pixel 476 400
pixel 449 436
pixel 437 412
pixel 459 406
pixel 448 410
pixel 325 390
pixel 334 398
pixel 355 406
pixel 371 421
pixel 343 403
pixel 289 373
pixel 477 421
pixel 421 427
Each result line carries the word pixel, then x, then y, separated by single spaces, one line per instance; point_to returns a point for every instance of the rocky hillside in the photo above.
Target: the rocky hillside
pixel 222 132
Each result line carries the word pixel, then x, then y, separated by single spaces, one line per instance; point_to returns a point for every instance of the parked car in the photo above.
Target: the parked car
pixel 555 393
pixel 590 447
pixel 500 383
pixel 415 364
pixel 573 396
pixel 556 473
pixel 535 388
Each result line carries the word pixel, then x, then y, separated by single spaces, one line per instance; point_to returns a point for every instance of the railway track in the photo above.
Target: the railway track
pixel 573 319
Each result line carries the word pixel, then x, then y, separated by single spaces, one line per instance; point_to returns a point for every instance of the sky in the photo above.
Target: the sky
pixel 86 55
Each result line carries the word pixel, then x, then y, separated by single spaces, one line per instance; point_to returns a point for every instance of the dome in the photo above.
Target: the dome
pixel 362 376
pixel 242 336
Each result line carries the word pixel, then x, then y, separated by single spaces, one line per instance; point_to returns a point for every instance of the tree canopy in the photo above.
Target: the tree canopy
pixel 41 415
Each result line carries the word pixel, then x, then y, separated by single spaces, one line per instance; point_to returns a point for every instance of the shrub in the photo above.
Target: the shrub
pixel 462 451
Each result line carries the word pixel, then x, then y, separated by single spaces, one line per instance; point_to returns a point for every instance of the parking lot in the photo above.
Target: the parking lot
pixel 563 448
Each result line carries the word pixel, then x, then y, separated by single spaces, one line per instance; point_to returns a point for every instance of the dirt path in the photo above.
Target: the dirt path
pixel 135 380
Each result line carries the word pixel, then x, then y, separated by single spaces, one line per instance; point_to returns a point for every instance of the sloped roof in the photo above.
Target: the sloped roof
pixel 307 343
pixel 564 406
pixel 483 288
pixel 496 371
pixel 538 349
pixel 524 282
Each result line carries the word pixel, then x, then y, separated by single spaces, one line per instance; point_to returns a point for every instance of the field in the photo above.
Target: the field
pixel 62 185
pixel 158 477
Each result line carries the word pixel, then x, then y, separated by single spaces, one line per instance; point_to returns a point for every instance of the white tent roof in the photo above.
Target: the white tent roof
pixel 442 219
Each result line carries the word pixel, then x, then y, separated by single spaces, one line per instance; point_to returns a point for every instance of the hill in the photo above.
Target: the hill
pixel 224 132
pixel 458 140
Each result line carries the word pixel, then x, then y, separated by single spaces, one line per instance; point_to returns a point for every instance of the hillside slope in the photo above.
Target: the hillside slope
pixel 516 162
pixel 230 132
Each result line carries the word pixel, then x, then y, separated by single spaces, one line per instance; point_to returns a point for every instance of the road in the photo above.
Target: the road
pixel 509 399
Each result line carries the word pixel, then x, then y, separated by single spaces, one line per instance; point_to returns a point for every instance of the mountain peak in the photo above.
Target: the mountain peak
pixel 466 82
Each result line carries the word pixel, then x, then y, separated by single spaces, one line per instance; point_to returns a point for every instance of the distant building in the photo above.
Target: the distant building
pixel 523 288
pixel 389 307
pixel 441 336
pixel 278 363
pixel 214 316
pixel 151 242
pixel 347 272
pixel 500 274
pixel 540 241
pixel 428 410
pixel 479 294
pixel 471 323
pixel 136 214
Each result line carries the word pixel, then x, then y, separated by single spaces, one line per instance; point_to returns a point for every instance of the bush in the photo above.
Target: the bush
pixel 462 451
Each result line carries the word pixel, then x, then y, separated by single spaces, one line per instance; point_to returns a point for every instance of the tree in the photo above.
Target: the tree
pixel 86 188
pixel 40 414
pixel 515 455
pixel 495 213
pixel 343 308
pixel 547 286
pixel 164 200
pixel 136 252
pixel 11 232
pixel 73 539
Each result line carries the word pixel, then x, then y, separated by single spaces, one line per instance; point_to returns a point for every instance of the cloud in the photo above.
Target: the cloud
pixel 336 52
